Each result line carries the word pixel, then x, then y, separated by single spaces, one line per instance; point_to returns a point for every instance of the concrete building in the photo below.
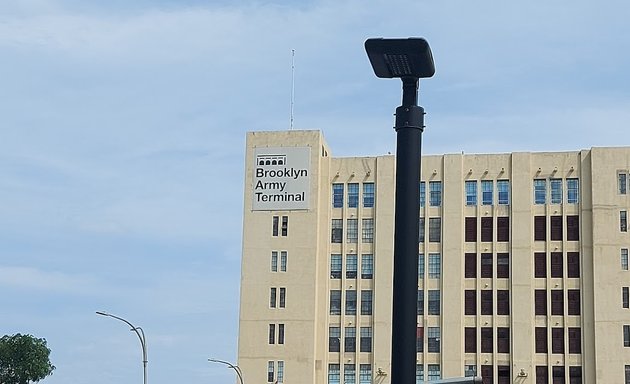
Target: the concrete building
pixel 522 275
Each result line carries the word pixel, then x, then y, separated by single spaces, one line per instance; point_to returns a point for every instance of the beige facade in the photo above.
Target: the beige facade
pixel 523 266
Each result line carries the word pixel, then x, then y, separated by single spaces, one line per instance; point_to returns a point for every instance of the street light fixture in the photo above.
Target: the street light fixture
pixel 407 59
pixel 143 341
pixel 236 368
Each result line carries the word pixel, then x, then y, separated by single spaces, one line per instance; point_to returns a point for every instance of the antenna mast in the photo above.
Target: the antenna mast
pixel 292 87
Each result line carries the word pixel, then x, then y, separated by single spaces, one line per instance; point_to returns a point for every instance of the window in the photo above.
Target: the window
pixel 556 228
pixel 423 194
pixel 283 261
pixel 557 302
pixel 624 259
pixel 486 302
pixel 366 339
pixel 419 339
pixel 575 375
pixel 335 266
pixel 541 339
pixel 471 192
pixel 367 266
pixel 486 229
pixel 471 229
pixel 434 302
pixel 486 265
pixel 575 340
pixel 626 335
pixel 366 302
pixel 283 298
pixel 627 374
pixel 622 183
pixel 573 301
pixel 351 266
pixel 503 192
pixel 272 298
pixel 284 230
pixel 433 372
pixel 352 231
pixel 421 266
pixel 333 374
pixel 542 374
pixel 503 265
pixel 365 374
pixel 556 264
pixel 434 265
pixel 540 264
pixel 487 373
pixel 349 374
pixel 270 371
pixel 540 228
pixel 470 370
pixel 367 230
pixel 280 372
pixel 433 339
pixel 573 228
pixel 540 302
pixel 274 261
pixel 351 302
pixel 470 265
pixel 573 264
pixel 334 339
pixel 625 297
pixel 573 191
pixel 503 340
pixel 421 230
pixel 503 374
pixel 280 333
pixel 557 340
pixel 337 190
pixel 486 192
pixel 337 231
pixel 419 374
pixel 435 193
pixel 486 340
pixel 540 191
pixel 435 229
pixel 353 195
pixel 368 196
pixel 350 339
pixel 470 340
pixel 470 302
pixel 335 302
pixel 503 302
pixel 274 226
pixel 556 191
pixel 503 229
pixel 557 374
pixel 420 304
pixel 272 333
pixel 623 221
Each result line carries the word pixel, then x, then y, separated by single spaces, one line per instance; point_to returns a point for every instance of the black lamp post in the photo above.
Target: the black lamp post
pixel 407 59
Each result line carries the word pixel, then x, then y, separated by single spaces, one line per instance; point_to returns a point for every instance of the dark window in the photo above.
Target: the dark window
pixel 419 339
pixel 435 229
pixel 556 228
pixel 573 264
pixel 486 340
pixel 272 333
pixel 573 301
pixel 540 264
pixel 503 374
pixel 557 302
pixel 420 309
pixel 433 339
pixel 503 229
pixel 334 337
pixel 471 229
pixel 421 229
pixel 575 375
pixel 366 302
pixel 541 339
pixel 274 226
pixel 625 297
pixel 556 264
pixel 575 340
pixel 487 374
pixel 470 267
pixel 486 265
pixel 337 231
pixel 366 339
pixel 285 225
pixel 503 340
pixel 470 340
pixel 557 340
pixel 626 335
pixel 503 265
pixel 350 339
pixel 486 229
pixel 280 333
pixel 503 302
pixel 335 302
pixel 573 228
pixel 540 228
pixel 470 302
pixel 557 375
pixel 351 302
pixel 542 374
pixel 627 374
pixel 486 302
pixel 540 302
pixel 337 190
pixel 433 307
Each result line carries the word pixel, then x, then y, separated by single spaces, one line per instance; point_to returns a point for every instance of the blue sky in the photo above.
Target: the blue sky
pixel 122 128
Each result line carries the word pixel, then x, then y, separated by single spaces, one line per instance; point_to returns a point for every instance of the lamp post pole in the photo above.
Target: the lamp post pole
pixel 236 368
pixel 143 341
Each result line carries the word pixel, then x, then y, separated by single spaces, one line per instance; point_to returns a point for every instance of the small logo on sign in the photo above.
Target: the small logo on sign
pixel 271 159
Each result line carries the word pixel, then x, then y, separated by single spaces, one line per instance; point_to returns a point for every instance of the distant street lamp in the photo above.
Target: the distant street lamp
pixel 143 340
pixel 236 368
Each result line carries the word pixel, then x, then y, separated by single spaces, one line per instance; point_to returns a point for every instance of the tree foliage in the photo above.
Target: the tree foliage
pixel 24 359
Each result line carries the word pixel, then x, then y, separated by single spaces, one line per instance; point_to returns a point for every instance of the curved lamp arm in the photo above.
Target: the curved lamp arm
pixel 236 368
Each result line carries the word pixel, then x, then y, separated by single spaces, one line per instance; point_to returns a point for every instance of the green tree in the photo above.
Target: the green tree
pixel 24 359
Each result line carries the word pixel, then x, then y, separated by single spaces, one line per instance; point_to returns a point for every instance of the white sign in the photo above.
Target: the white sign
pixel 281 178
